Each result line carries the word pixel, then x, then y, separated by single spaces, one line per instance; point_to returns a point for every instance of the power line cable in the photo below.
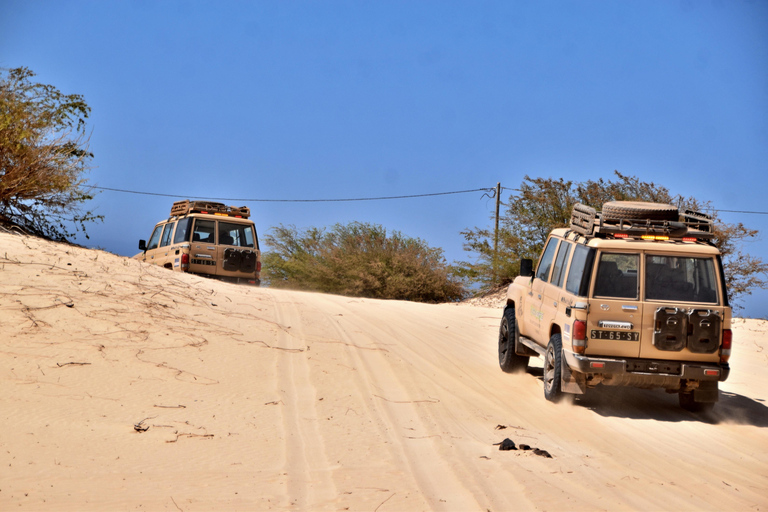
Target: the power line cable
pixel 491 191
pixel 294 200
pixel 741 211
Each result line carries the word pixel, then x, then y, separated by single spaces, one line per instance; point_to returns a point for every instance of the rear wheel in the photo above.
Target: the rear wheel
pixel 553 390
pixel 508 334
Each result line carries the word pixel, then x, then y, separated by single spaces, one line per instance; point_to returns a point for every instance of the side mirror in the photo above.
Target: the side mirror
pixel 142 245
pixel 526 267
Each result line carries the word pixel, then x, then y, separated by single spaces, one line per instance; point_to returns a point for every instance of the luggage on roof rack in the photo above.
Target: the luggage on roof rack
pixel 626 219
pixel 187 206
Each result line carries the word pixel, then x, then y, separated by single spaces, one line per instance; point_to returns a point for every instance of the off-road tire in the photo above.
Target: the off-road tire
pixel 553 358
pixel 689 404
pixel 509 361
pixel 637 210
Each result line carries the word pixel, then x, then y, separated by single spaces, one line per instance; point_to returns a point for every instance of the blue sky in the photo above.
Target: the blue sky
pixel 336 99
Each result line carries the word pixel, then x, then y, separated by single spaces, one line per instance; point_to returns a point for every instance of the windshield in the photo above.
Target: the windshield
pixel 680 279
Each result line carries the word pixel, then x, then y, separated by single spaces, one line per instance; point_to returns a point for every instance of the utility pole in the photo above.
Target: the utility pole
pixel 496 235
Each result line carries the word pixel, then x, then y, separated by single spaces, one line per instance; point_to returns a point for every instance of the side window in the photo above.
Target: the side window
pixel 617 276
pixel 545 264
pixel 167 234
pixel 250 238
pixel 182 231
pixel 154 240
pixel 204 231
pixel 581 270
pixel 558 272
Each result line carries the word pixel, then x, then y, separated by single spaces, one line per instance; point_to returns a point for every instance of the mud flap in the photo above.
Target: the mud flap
pixel 572 382
pixel 707 392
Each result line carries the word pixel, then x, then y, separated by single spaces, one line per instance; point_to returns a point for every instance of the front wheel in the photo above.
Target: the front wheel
pixel 553 357
pixel 509 361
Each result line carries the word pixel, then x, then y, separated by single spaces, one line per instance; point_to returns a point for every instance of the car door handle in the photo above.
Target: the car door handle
pixel 554 303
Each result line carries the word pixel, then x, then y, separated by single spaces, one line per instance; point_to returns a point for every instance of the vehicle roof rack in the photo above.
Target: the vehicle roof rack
pixel 690 224
pixel 187 206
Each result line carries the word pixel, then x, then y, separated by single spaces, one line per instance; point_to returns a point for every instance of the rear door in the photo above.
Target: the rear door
pixel 202 254
pixel 237 250
pixel 534 315
pixel 614 323
pixel 553 299
pixel 163 254
pixel 684 312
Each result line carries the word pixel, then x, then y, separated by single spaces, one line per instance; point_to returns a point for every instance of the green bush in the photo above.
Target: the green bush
pixel 44 156
pixel 358 260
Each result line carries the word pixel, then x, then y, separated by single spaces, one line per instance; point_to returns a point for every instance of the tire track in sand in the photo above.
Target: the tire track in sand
pixel 400 412
pixel 309 482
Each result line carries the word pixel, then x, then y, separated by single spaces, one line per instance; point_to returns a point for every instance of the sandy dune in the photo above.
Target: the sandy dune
pixel 128 387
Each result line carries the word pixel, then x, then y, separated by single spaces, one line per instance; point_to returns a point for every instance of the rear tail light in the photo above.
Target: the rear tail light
pixel 725 346
pixel 258 266
pixel 184 262
pixel 579 340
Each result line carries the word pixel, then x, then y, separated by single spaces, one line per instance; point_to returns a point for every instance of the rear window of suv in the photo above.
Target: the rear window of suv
pixel 240 235
pixel 681 279
pixel 617 276
pixel 204 231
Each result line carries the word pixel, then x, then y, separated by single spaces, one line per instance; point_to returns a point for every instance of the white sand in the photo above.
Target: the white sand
pixel 260 399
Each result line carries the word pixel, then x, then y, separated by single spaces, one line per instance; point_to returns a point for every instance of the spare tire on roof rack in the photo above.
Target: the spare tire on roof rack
pixel 638 210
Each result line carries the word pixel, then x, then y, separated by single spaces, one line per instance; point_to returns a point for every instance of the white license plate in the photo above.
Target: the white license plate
pixel 615 335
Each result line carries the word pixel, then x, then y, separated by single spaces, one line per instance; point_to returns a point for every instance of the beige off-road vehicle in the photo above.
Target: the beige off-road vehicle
pixel 206 238
pixel 630 296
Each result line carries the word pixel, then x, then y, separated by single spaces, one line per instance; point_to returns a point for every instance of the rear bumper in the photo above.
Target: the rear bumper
pixel 657 368
pixel 254 281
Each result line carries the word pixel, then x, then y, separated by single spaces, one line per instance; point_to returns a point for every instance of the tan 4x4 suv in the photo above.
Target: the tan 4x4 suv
pixel 206 238
pixel 632 296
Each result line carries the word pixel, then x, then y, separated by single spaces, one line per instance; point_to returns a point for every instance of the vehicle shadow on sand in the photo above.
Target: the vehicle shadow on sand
pixel 625 402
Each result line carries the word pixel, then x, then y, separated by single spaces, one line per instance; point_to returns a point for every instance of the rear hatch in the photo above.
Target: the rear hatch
pixel 225 247
pixel 237 250
pixel 656 305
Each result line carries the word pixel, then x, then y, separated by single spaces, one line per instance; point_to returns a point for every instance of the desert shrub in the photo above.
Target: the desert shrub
pixel 359 260
pixel 43 156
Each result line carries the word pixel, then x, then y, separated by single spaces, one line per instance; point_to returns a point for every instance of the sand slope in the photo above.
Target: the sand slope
pixel 128 387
